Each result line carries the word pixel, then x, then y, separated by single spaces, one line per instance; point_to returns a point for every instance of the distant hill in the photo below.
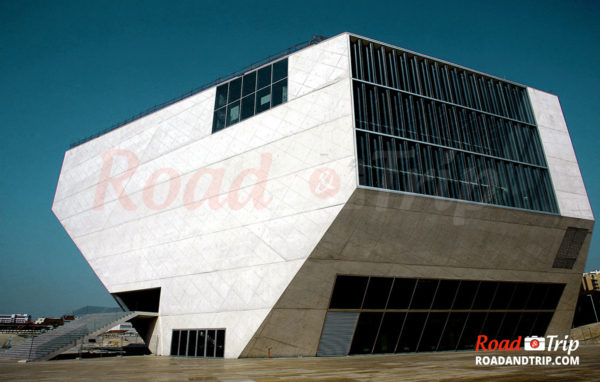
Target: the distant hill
pixel 95 309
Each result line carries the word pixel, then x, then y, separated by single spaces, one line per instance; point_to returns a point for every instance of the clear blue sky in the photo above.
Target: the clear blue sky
pixel 71 68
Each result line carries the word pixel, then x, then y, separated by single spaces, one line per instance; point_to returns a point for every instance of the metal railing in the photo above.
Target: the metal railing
pixel 315 40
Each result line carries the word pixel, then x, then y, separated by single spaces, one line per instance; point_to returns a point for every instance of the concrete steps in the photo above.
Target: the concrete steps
pixel 52 343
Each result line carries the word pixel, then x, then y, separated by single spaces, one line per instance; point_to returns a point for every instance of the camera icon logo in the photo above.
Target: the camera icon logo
pixel 534 343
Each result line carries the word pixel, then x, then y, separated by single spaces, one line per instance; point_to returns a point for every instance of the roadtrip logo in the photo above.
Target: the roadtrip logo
pixel 532 343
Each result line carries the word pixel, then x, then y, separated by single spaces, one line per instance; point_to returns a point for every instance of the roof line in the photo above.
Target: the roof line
pixel 315 40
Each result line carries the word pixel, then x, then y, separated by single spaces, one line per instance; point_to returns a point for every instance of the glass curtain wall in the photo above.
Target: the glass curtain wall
pixel 399 315
pixel 426 127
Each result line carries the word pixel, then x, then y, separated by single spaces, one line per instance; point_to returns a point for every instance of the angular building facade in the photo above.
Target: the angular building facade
pixel 349 198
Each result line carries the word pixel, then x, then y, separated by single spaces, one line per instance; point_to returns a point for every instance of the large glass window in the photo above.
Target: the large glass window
pixel 407 315
pixel 425 127
pixel 253 93
pixel 198 343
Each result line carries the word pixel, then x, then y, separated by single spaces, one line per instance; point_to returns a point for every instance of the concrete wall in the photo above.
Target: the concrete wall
pixel 218 266
pixel 386 234
pixel 562 163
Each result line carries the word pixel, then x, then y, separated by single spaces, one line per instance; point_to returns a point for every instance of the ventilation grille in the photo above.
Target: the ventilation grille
pixel 337 333
pixel 569 248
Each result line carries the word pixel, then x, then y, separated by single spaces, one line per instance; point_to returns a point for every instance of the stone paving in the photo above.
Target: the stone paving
pixel 450 366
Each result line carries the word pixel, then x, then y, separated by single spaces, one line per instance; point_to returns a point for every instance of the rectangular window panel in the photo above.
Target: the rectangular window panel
pixel 348 292
pixel 183 336
pixel 279 93
pixel 378 291
pixel 249 84
pixel 235 90
pixel 210 343
pixel 389 332
pixel 365 333
pixel 221 96
pixel 263 100
pixel 219 120
pixel 233 113
pixel 411 332
pixel 191 352
pixel 220 350
pixel 264 77
pixel 433 331
pixel 247 107
pixel 175 342
pixel 280 70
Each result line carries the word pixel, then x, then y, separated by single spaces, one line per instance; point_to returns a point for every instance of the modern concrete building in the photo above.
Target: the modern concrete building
pixel 350 197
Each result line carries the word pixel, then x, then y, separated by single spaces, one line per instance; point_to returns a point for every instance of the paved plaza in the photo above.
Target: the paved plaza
pixel 448 366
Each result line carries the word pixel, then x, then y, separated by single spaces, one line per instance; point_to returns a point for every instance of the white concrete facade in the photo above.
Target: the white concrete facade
pixel 220 262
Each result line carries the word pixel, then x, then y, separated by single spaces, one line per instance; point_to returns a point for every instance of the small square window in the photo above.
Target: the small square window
pixel 233 113
pixel 247 107
pixel 235 88
pixel 280 70
pixel 263 100
pixel 221 97
pixel 279 92
pixel 264 77
pixel 249 85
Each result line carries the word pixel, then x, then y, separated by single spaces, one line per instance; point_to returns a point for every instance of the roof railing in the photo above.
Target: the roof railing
pixel 315 40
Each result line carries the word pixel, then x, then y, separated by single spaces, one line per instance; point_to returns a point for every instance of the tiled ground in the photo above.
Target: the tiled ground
pixel 413 367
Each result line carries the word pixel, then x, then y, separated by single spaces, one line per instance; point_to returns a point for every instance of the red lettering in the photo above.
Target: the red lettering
pixel 481 340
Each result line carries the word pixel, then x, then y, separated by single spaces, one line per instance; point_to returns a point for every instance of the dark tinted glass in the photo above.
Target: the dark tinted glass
pixel 263 100
pixel 471 331
pixel 411 332
pixel 221 97
pixel 219 120
pixel 445 294
pixel 552 296
pixel 201 343
pixel 526 324
pixel 509 325
pixel 175 342
pixel 249 84
pixel 247 107
pixel 348 292
pixel 210 343
pixel 504 295
pixel 494 118
pixel 192 343
pixel 521 296
pixel 279 92
pixel 377 293
pixel 389 332
pixel 454 327
pixel 433 331
pixel 264 77
pixel 402 292
pixel 364 335
pixel 424 293
pixel 233 113
pixel 485 294
pixel 492 324
pixel 183 342
pixel 541 323
pixel 280 70
pixel 220 351
pixel 466 294
pixel 235 89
